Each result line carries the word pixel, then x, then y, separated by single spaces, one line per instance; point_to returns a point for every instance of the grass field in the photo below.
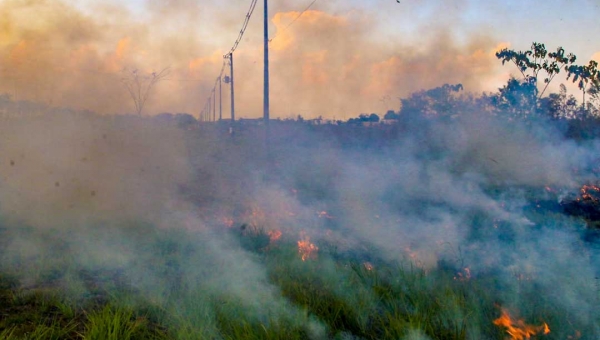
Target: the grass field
pixel 162 293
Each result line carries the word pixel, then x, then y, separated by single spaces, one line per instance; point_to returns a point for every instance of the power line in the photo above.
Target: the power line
pixel 244 26
pixel 293 21
pixel 214 89
pixel 230 53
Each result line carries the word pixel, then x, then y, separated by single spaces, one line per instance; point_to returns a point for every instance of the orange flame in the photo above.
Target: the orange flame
pixel 518 329
pixel 274 235
pixel 307 250
pixel 586 195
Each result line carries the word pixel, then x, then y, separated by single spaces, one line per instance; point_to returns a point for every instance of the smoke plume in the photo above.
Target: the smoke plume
pixel 63 54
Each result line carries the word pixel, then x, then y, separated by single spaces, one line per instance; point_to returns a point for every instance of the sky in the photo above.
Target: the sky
pixel 337 60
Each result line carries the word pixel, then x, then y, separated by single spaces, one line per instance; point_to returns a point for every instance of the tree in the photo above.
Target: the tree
pixel 442 100
pixel 594 92
pixel 373 118
pixel 531 62
pixel 364 118
pixel 518 97
pixel 586 75
pixel 391 115
pixel 139 86
pixel 560 105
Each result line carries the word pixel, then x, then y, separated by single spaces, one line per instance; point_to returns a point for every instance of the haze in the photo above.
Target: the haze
pixel 339 59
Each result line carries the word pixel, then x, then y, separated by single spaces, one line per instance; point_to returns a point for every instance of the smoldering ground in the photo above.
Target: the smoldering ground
pixel 155 207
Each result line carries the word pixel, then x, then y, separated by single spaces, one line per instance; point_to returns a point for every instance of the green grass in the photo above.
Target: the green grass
pixel 111 323
pixel 164 292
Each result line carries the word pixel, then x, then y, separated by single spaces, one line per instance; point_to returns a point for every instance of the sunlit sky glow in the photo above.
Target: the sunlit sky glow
pixel 339 59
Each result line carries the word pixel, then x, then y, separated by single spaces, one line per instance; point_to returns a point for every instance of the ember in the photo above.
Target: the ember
pixel 590 193
pixel 586 205
pixel 518 329
pixel 463 275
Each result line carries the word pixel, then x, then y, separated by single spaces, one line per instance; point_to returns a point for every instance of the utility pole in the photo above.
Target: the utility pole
pixel 266 75
pixel 220 100
pixel 214 98
pixel 232 91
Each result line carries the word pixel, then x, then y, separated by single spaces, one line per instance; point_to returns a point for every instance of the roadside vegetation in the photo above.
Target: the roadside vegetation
pixel 347 297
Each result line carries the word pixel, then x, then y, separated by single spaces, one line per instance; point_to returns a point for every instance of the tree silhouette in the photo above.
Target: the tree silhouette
pixel 442 100
pixel 535 60
pixel 585 75
pixel 139 85
pixel 517 98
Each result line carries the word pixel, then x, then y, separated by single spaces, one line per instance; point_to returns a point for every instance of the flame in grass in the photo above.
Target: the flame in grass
pixel 307 250
pixel 518 329
pixel 274 235
pixel 590 192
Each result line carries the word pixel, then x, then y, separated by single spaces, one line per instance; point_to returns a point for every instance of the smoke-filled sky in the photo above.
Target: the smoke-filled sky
pixel 339 59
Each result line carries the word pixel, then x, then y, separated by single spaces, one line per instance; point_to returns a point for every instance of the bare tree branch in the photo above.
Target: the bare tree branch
pixel 139 86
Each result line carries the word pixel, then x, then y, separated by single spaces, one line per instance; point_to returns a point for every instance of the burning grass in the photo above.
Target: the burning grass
pixel 518 329
pixel 369 244
pixel 46 298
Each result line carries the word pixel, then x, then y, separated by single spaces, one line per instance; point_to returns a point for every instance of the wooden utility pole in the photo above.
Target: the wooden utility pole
pixel 266 75
pixel 232 91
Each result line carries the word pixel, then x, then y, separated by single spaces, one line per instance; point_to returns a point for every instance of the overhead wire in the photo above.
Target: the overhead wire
pixel 233 48
pixel 244 26
pixel 214 89
pixel 239 39
pixel 293 21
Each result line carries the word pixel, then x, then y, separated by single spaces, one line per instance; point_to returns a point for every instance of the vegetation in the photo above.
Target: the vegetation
pixel 535 60
pixel 346 297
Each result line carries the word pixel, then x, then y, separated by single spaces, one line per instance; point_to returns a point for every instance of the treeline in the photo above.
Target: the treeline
pixel 521 98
